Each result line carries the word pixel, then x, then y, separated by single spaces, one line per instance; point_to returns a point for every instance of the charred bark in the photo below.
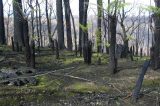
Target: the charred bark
pixel 60 26
pixel 68 24
pixel 112 54
pixel 2 28
pixel 18 23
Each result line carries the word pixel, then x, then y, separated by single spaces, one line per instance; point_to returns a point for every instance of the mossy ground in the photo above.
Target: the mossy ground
pixel 59 86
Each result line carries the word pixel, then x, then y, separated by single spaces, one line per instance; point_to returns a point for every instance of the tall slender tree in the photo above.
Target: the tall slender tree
pixel 32 46
pixel 60 26
pixel 49 27
pixel 68 24
pixel 85 32
pixel 138 34
pixel 112 38
pixel 99 26
pixel 156 37
pixel 18 22
pixel 81 11
pixel 40 24
pixel 2 28
pixel 37 25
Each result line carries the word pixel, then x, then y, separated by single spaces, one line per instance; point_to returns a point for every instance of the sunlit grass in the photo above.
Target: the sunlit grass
pixel 86 87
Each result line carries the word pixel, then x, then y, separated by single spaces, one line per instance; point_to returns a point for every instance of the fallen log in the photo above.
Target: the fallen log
pixel 135 94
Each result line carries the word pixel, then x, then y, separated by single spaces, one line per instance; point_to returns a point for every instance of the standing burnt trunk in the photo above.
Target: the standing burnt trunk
pixel 57 49
pixel 89 52
pixel 12 44
pixel 60 26
pixel 68 24
pixel 17 46
pixel 156 19
pixel 141 52
pixel 133 50
pixel 26 40
pixel 37 27
pixel 32 54
pixel 81 12
pixel 126 48
pixel 85 32
pixel 112 54
pixel 131 53
pixel 18 23
pixel 2 28
pixel 157 43
pixel 99 25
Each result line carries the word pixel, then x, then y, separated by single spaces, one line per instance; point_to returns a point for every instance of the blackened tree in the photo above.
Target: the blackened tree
pixel 2 28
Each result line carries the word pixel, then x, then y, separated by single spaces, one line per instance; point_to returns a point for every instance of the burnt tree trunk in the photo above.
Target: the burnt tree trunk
pixel 51 42
pixel 40 25
pixel 60 26
pixel 139 82
pixel 32 64
pixel 112 54
pixel 18 23
pixel 2 28
pixel 37 26
pixel 131 53
pixel 85 32
pixel 133 50
pixel 99 28
pixel 12 39
pixel 141 52
pixel 157 37
pixel 68 24
pixel 26 40
pixel 57 49
pixel 81 12
pixel 126 49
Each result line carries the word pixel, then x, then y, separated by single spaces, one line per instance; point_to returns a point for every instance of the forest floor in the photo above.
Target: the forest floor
pixel 77 84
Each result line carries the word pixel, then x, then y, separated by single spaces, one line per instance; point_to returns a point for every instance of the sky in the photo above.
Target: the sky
pixel 92 6
pixel 74 4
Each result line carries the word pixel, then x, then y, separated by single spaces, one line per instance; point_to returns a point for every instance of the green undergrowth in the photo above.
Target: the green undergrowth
pixel 151 83
pixel 62 86
pixel 87 87
pixel 44 83
pixel 103 58
pixel 138 58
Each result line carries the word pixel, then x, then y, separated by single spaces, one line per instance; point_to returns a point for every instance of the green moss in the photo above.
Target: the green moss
pixel 46 84
pixel 86 87
pixel 73 60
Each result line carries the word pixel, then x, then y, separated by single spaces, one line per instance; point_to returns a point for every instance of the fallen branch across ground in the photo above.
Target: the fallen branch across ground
pixel 87 80
pixel 139 82
pixel 62 75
